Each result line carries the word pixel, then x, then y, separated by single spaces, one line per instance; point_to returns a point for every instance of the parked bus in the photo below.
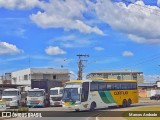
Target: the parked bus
pixel 56 96
pixel 92 94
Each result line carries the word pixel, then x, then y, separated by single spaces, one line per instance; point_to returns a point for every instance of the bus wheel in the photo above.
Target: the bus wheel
pixel 77 110
pixel 93 106
pixel 129 103
pixel 44 104
pixel 124 104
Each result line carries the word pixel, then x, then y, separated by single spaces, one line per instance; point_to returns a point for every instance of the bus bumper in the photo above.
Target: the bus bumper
pixel 74 107
pixel 34 105
pixel 55 103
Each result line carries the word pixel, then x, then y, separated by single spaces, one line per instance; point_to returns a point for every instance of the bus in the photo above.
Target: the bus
pixel 56 96
pixel 81 95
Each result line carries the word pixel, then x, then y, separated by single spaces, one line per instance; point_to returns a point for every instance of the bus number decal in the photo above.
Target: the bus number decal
pixel 120 92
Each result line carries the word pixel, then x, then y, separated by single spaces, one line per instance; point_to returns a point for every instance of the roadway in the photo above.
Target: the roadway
pixel 61 114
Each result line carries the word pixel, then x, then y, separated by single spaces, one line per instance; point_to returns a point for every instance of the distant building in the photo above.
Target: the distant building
pixel 5 81
pixel 24 77
pixel 120 75
pixel 149 89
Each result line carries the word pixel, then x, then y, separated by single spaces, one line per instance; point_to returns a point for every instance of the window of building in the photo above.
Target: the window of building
pixel 25 77
pixel 46 76
pixel 54 76
pixel 134 76
pixel 105 75
pixel 119 77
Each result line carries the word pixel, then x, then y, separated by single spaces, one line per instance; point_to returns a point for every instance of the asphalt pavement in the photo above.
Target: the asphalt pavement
pixel 58 113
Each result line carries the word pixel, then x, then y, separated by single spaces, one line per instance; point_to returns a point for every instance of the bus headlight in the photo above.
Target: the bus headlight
pixel 77 102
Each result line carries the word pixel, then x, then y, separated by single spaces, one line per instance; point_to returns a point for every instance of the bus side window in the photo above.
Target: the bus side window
pixel 123 86
pixel 134 86
pixel 112 86
pixel 108 86
pixel 130 86
pixel 102 86
pixel 116 86
pixel 94 86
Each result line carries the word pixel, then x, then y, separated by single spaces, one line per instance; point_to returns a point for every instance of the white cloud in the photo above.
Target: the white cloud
pixel 158 2
pixel 19 4
pixel 138 20
pixel 6 48
pixel 73 75
pixel 67 14
pixel 99 48
pixel 127 53
pixel 67 38
pixel 77 43
pixel 61 61
pixel 51 50
pixel 72 41
pixel 20 32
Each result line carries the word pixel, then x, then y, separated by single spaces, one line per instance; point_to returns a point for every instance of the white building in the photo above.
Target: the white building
pixel 24 77
pixel 120 75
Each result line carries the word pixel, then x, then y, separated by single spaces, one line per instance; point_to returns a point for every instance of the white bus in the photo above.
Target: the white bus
pixel 92 94
pixel 12 97
pixel 37 98
pixel 56 96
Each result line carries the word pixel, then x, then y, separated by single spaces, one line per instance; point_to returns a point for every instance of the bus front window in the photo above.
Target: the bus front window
pixel 71 94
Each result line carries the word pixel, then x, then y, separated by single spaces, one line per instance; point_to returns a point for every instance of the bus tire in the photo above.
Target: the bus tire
pixel 129 102
pixel 77 110
pixel 93 106
pixel 44 104
pixel 124 103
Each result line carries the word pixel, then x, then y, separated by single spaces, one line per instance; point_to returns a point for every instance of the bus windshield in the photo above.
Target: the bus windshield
pixel 71 94
pixel 35 93
pixel 54 92
pixel 10 93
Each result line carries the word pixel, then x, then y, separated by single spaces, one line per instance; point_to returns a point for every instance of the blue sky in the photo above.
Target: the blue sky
pixel 117 35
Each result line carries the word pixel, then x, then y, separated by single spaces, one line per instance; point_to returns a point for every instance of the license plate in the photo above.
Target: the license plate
pixel 56 103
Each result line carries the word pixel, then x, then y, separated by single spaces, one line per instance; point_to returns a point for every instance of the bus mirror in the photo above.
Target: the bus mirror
pixel 79 90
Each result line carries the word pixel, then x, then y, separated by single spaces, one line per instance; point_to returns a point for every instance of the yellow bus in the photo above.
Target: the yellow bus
pixel 101 93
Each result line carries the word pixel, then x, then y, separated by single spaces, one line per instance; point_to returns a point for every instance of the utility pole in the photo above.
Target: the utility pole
pixel 81 66
pixel 29 62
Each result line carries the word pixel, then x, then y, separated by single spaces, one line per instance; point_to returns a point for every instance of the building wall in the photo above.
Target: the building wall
pixel 142 93
pixel 18 77
pixel 118 75
pixel 1 80
pixel 23 77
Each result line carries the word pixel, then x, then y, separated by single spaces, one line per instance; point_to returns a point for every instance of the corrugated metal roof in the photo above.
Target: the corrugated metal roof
pixel 146 84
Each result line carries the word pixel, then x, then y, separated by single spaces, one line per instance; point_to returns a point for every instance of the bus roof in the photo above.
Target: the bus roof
pixel 37 89
pixel 100 80
pixel 11 89
pixel 55 88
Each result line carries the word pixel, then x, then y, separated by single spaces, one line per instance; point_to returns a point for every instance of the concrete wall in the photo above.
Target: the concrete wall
pixel 120 76
pixel 143 93
pixel 23 77
pixel 1 82
pixel 18 77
